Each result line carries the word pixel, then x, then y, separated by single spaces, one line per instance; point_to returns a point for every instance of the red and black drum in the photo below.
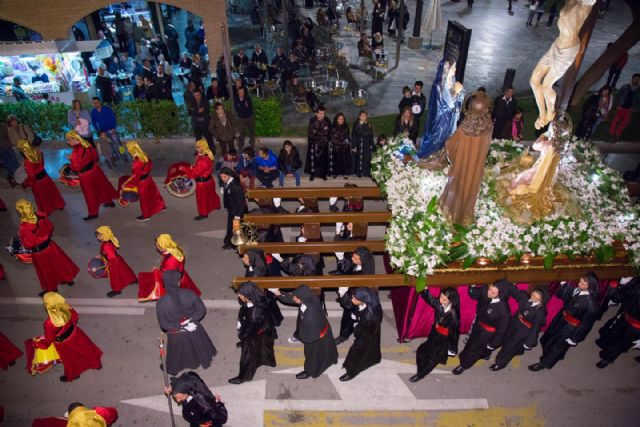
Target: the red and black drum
pixel 20 253
pixel 69 177
pixel 127 194
pixel 97 268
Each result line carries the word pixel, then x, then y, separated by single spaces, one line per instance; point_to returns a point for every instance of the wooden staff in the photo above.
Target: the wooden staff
pixel 163 360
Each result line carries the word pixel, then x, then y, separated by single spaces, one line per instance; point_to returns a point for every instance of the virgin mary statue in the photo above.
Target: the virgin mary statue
pixel 445 101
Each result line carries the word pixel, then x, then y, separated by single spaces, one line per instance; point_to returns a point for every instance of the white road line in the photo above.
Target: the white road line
pixel 111 310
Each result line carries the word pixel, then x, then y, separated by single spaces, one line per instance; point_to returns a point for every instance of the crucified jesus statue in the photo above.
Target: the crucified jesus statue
pixel 558 58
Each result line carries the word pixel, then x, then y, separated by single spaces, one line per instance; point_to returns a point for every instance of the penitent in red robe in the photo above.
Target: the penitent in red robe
pixel 151 202
pixel 77 352
pixel 9 353
pixel 120 274
pixel 207 199
pixel 52 265
pixel 47 195
pixel 147 290
pixel 95 186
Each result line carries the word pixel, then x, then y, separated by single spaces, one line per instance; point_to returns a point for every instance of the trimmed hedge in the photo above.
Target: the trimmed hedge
pixel 138 119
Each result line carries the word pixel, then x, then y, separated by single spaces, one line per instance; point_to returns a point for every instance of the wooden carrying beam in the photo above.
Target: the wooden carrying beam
pixel 450 276
pixel 318 218
pixel 376 246
pixel 318 193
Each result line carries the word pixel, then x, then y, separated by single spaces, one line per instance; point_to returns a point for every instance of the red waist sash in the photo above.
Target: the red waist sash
pixel 324 331
pixel 570 319
pixel 524 321
pixel 487 328
pixel 442 330
pixel 633 322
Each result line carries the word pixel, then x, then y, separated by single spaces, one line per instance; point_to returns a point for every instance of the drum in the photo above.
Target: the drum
pixel 69 177
pixel 416 109
pixel 16 249
pixel 97 268
pixel 20 175
pixel 43 360
pixel 177 183
pixel 127 195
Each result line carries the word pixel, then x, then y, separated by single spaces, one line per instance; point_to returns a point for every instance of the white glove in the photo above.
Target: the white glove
pixel 185 321
pixel 490 348
pixel 278 257
pixel 338 227
pixel 301 207
pixel 190 327
pixel 451 353
pixel 274 291
pixel 238 325
pixel 302 239
pixel 277 201
pixel 636 345
pixel 333 200
pixel 612 303
pixel 563 283
pixel 526 348
pixel 340 255
pixel 342 290
pixel 570 342
pixel 625 280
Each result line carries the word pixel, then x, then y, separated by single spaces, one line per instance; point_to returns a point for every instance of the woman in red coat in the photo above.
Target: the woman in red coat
pixel 52 265
pixel 150 285
pixel 151 202
pixel 9 353
pixel 47 195
pixel 120 274
pixel 207 199
pixel 77 352
pixel 95 186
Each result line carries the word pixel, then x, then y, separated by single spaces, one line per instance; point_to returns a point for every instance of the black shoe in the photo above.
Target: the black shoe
pixel 458 370
pixel 236 380
pixel 200 217
pixel 227 247
pixel 347 377
pixel 536 367
pixel 162 367
pixel 496 367
pixel 340 340
pixel 324 178
pixel 416 378
pixel 12 363
pixel 68 283
pixel 487 357
pixel 41 293
pixel 64 379
pixel 89 217
pixel 335 176
pixel 142 218
pixel 602 364
pixel 112 294
pixel 302 375
pixel 345 177
pixel 109 205
pixel 311 178
pixel 333 208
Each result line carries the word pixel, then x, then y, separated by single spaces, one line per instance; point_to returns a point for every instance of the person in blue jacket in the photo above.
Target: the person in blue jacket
pixel 267 164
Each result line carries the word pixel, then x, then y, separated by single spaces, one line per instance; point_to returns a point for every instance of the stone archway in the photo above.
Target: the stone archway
pixel 54 22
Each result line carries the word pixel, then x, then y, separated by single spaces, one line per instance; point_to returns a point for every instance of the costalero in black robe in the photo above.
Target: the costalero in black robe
pixel 185 349
pixel 314 330
pixel 365 350
pixel 524 327
pixel 256 332
pixel 574 322
pixel 363 147
pixel 317 164
pixel 491 322
pixel 339 150
pixel 619 333
pixel 443 338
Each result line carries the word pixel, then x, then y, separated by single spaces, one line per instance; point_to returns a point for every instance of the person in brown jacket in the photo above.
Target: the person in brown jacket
pixel 223 128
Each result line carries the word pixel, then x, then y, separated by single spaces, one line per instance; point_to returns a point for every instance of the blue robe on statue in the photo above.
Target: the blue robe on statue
pixel 443 114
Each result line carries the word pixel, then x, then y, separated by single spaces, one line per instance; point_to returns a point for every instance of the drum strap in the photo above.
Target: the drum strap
pixel 41 175
pixel 203 179
pixel 66 334
pixel 41 247
pixel 87 168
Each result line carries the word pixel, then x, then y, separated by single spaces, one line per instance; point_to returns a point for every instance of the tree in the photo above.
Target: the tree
pixel 625 42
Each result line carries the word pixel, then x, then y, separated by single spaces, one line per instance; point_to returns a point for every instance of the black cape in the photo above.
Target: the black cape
pixel 492 314
pixel 314 330
pixel 202 408
pixel 185 350
pixel 436 348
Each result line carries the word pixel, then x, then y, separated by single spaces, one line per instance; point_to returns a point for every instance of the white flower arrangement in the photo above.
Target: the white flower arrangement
pixel 419 238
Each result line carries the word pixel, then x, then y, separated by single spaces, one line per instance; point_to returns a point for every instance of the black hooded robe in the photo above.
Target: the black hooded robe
pixel 574 322
pixel 317 164
pixel 524 328
pixel 202 408
pixel 260 268
pixel 255 331
pixel 442 339
pixel 365 350
pixel 314 330
pixel 363 147
pixel 492 318
pixel 339 151
pixel 619 333
pixel 185 350
pixel 346 266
